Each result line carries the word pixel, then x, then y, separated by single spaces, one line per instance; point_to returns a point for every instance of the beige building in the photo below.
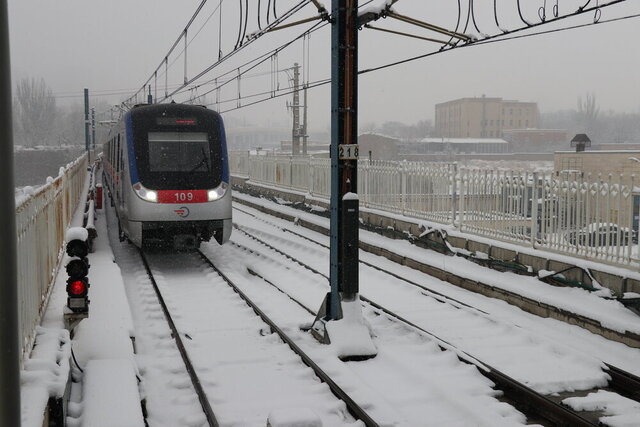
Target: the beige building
pixel 594 166
pixel 484 117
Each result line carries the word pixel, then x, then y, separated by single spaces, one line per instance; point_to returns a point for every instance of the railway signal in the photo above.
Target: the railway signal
pixel 78 269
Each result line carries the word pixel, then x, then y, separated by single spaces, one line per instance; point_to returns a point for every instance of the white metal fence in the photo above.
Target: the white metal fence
pixel 586 216
pixel 41 221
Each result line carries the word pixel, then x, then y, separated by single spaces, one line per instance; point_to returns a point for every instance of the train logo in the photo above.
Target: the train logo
pixel 182 212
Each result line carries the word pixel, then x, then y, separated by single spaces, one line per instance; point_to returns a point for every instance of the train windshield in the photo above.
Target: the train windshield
pixel 177 147
pixel 179 152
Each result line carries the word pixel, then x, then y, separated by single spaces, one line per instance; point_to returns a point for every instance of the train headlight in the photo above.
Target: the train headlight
pixel 145 194
pixel 218 192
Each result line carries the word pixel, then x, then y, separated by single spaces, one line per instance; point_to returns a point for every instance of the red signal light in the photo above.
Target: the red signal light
pixel 77 287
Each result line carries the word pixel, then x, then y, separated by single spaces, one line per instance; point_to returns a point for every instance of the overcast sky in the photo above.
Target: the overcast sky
pixel 116 45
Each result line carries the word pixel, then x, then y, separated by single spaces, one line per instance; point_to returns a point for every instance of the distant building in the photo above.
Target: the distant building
pixel 536 140
pixel 245 138
pixel 484 117
pixel 454 146
pixel 377 147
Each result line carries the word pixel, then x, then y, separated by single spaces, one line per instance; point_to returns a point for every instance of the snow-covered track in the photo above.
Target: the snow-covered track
pixel 172 270
pixel 622 381
pixel 471 284
pixel 530 402
pixel 352 406
pixel 193 376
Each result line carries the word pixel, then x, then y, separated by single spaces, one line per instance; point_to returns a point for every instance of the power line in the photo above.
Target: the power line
pixel 494 39
pixel 221 59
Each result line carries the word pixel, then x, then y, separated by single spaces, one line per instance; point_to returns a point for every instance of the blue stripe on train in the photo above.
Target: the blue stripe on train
pixel 225 156
pixel 133 169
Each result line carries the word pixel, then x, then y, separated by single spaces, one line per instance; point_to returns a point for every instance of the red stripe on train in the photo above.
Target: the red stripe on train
pixel 182 196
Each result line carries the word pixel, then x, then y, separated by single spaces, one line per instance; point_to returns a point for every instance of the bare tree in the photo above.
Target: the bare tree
pixel 34 113
pixel 588 112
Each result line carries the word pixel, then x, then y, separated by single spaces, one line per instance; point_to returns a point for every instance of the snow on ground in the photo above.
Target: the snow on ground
pixel 246 371
pixel 555 331
pixel 544 365
pixel 620 411
pixel 411 382
pixel 611 314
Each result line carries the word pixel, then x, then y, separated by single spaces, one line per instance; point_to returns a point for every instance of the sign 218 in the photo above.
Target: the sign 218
pixel 348 151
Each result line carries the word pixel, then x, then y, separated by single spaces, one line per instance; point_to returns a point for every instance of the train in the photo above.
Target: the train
pixel 166 169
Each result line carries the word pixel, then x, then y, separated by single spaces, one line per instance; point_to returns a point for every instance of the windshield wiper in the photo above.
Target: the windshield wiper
pixel 203 161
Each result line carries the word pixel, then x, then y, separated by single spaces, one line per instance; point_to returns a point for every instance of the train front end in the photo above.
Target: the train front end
pixel 179 176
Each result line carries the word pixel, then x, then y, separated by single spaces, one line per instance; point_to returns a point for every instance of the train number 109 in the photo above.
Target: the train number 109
pixel 348 151
pixel 183 197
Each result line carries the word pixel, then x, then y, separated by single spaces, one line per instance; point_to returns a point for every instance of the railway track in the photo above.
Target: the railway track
pixel 473 284
pixel 523 397
pixel 352 407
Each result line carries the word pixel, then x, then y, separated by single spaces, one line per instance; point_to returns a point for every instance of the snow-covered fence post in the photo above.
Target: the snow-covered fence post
pixel 403 180
pixel 535 206
pixel 453 176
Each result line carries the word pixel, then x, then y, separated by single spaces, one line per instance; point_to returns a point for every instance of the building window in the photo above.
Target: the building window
pixel 510 122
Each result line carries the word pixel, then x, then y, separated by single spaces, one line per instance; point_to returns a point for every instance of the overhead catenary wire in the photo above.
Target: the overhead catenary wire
pixel 494 39
pixel 263 58
pixel 221 57
pixel 498 38
pixel 447 47
pixel 283 17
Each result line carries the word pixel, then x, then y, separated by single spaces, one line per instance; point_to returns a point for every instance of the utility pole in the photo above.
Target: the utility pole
pixel 9 325
pixel 93 127
pixel 295 107
pixel 305 135
pixel 86 119
pixel 343 302
pixel 344 166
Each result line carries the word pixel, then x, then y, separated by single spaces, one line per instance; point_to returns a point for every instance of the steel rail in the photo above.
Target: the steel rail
pixel 523 397
pixel 622 382
pixel 353 408
pixel 525 303
pixel 195 381
pixel 437 295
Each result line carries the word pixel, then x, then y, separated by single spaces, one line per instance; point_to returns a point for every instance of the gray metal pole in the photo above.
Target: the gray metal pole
pixel 86 119
pixel 93 128
pixel 295 132
pixel 344 124
pixel 9 336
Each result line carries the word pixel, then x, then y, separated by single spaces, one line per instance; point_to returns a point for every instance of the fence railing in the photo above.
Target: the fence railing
pixel 41 221
pixel 587 216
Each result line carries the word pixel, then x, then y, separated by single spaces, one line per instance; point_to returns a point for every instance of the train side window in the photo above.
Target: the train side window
pixel 118 154
pixel 122 154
